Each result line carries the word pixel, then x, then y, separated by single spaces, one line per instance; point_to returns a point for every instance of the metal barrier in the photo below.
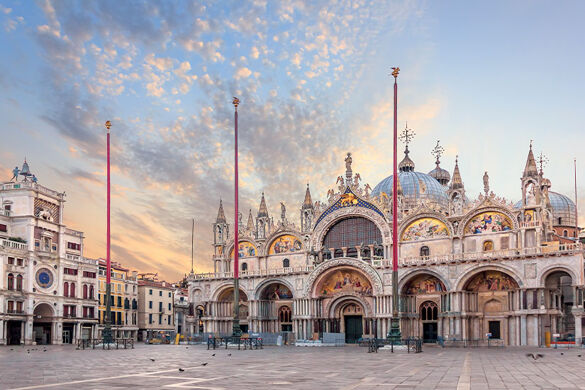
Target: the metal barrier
pixel 93 343
pixel 246 342
pixel 470 343
pixel 412 344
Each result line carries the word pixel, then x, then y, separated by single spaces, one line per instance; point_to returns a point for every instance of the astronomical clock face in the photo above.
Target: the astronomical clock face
pixel 44 278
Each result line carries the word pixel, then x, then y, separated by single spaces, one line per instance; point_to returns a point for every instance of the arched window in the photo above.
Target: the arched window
pixel 19 283
pixel 126 303
pixel 284 314
pixel 10 282
pixel 425 251
pixel 72 290
pixel 66 289
pixel 429 311
pixel 488 246
pixel 85 291
pixel 352 232
pixel 134 304
pixel 565 233
pixel 244 266
pixel 285 263
pixel 90 292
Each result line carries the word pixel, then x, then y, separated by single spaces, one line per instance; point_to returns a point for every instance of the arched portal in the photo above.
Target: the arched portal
pixel 343 303
pixel 225 308
pixel 561 299
pixel 421 306
pixel 274 308
pixel 43 320
pixel 488 304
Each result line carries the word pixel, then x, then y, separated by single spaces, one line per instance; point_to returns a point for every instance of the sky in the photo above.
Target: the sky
pixel 484 78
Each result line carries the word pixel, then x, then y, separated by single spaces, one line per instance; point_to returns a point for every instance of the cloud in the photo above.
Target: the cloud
pixel 242 72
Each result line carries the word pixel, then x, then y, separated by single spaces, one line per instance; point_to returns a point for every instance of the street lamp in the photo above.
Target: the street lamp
pixel 394 333
pixel 236 331
pixel 107 333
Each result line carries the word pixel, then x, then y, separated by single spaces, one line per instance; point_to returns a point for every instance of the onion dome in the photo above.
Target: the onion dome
pixel 441 175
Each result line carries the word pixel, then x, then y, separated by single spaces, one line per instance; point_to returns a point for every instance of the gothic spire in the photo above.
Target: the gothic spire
pixel 456 181
pixel 220 213
pixel 530 170
pixel 263 210
pixel 250 224
pixel 308 203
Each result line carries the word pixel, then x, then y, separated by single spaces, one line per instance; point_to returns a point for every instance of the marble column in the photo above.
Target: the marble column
pixel 578 329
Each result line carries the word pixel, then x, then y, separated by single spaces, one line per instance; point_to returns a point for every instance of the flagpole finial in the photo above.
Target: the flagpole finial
pixel 236 102
pixel 108 125
pixel 395 71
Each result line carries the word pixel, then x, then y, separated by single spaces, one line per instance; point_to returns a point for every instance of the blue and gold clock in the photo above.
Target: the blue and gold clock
pixel 44 278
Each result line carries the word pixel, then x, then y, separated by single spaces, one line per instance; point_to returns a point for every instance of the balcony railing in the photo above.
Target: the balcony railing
pixel 566 249
pixel 32 186
pixel 14 244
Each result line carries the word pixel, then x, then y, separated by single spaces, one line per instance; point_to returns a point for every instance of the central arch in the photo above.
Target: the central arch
pixel 44 319
pixel 274 302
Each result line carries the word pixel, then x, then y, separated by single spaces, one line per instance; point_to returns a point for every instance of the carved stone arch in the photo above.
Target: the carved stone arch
pixel 47 304
pixel 268 282
pixel 546 272
pixel 337 301
pixel 193 294
pixel 347 212
pixel 410 275
pixel 274 236
pixel 467 276
pixel 324 267
pixel 496 209
pixel 404 224
pixel 226 286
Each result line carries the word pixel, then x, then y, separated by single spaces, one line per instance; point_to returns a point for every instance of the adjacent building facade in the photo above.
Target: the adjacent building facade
pixel 48 290
pixel 468 268
pixel 123 301
pixel 155 308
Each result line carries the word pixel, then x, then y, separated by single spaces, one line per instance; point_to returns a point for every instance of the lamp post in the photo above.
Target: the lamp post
pixel 107 333
pixel 394 333
pixel 236 330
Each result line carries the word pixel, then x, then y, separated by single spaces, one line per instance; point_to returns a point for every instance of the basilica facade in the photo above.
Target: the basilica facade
pixel 468 268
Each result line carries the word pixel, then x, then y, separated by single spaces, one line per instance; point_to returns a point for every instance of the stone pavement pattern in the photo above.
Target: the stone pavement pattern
pixel 63 367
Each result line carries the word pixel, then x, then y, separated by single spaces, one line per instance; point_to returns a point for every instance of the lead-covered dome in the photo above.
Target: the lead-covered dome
pixel 563 209
pixel 415 186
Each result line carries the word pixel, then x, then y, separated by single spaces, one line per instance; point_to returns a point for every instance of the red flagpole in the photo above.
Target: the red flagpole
pixel 236 331
pixel 107 331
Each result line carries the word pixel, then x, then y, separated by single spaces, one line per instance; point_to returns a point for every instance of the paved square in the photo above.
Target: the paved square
pixel 63 367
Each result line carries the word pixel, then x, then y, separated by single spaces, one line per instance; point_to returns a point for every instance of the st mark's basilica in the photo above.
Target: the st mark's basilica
pixel 467 267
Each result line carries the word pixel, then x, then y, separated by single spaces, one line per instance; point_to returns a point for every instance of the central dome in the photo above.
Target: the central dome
pixel 415 186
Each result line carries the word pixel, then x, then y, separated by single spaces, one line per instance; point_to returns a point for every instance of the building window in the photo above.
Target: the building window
pixel 565 233
pixel 66 289
pixel 119 301
pixel 169 319
pixel 244 267
pixel 11 260
pixel 3 228
pixel 72 290
pixel 150 292
pixel 169 306
pixel 74 246
pixel 69 271
pixel 10 282
pixel 126 303
pixel 284 314
pixel 160 309
pixel 134 304
pixel 85 291
pixel 160 319
pixel 19 307
pixel 19 283
pixel 10 306
pixel 170 294
pixel 351 232
pixel 285 263
pixel 150 318
pixel 87 274
pixel 425 251
pixel 150 304
pixel 19 262
pixel 91 292
pixel 160 293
